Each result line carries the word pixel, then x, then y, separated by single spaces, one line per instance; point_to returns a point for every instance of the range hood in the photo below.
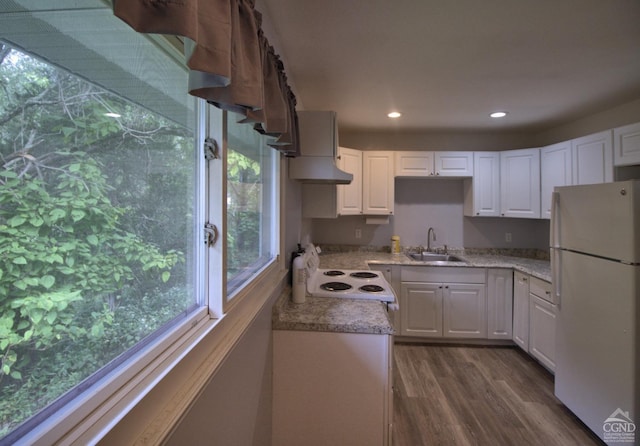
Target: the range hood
pixel 318 148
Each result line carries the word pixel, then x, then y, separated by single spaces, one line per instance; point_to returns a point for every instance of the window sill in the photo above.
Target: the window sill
pixel 141 405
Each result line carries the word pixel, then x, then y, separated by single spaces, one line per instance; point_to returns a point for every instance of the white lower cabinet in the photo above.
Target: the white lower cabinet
pixel 421 309
pixel 499 303
pixel 521 310
pixel 464 310
pixel 331 388
pixel 542 323
pixel 443 302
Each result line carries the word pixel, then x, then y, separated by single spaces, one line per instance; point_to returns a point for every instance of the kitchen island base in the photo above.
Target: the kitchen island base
pixel 331 388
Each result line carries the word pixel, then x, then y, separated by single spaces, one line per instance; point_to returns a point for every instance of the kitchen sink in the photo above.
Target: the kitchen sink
pixel 426 256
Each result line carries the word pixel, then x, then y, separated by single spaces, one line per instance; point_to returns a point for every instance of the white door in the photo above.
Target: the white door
pixel 555 170
pixel 350 195
pixel 377 185
pixel 597 351
pixel 464 311
pixel 454 164
pixel 542 331
pixel 521 310
pixel 626 145
pixel 413 164
pixel 520 183
pixel 499 303
pixel 421 309
pixel 483 198
pixel 599 219
pixel 593 158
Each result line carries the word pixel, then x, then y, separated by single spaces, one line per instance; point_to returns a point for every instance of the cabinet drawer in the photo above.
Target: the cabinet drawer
pixel 541 288
pixel 443 274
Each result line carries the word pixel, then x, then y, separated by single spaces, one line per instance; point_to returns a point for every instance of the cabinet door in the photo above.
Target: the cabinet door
pixel 464 311
pixel 413 164
pixel 482 192
pixel 593 158
pixel 377 186
pixel 350 195
pixel 555 170
pixel 626 145
pixel 499 303
pixel 542 331
pixel 454 164
pixel 521 310
pixel 520 183
pixel 421 309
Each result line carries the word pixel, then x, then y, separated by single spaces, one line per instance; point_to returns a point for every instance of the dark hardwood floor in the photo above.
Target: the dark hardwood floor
pixel 467 395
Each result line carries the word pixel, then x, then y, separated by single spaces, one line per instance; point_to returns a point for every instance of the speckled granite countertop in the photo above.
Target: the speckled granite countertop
pixel 368 316
pixel 331 314
pixel 360 260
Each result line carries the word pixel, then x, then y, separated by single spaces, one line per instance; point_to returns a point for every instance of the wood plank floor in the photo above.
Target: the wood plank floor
pixel 467 395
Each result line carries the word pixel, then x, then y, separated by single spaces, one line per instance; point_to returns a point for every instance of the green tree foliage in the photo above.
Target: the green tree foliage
pixel 94 215
pixel 243 212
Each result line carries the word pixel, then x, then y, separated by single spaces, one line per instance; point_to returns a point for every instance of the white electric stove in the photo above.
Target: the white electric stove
pixel 353 284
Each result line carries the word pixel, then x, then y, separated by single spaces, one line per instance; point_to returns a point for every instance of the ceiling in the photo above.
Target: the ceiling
pixel 446 64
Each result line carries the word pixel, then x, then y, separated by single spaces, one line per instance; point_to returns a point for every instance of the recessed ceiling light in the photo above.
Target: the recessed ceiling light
pixel 394 114
pixel 112 115
pixel 499 114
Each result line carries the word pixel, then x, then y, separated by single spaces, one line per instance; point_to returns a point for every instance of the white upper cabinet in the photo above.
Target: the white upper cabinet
pixel 454 164
pixel 520 183
pixel 350 195
pixel 555 170
pixel 593 158
pixel 430 164
pixel 414 164
pixel 482 192
pixel 626 145
pixel 377 182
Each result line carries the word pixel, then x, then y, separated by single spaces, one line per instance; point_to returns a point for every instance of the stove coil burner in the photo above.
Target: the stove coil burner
pixel 335 286
pixel 334 272
pixel 371 288
pixel 364 275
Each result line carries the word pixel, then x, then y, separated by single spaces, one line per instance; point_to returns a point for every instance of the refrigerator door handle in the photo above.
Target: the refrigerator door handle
pixel 556 267
pixel 554 233
pixel 554 242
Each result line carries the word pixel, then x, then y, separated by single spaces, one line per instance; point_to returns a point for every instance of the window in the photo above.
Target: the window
pixel 252 240
pixel 103 196
pixel 98 212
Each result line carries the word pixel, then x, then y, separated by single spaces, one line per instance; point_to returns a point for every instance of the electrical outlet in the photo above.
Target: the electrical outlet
pixel 507 237
pixel 358 233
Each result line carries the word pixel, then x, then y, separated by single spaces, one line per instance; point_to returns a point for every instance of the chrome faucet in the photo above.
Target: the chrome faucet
pixel 429 232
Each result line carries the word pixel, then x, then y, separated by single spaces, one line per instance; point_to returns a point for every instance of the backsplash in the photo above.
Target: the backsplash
pixel 529 253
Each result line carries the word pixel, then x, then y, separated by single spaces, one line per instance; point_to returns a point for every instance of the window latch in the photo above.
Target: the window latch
pixel 210 234
pixel 211 150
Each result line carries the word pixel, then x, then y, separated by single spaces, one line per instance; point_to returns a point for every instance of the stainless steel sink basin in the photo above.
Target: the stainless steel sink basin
pixel 426 256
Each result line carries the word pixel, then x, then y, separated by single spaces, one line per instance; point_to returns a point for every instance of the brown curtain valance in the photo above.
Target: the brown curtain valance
pixel 231 63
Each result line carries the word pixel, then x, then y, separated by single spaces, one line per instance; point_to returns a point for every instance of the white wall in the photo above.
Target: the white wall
pixel 437 203
pixel 615 117
pixel 235 408
pixel 433 140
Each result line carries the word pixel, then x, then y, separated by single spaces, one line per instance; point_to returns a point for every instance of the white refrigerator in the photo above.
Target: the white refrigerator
pixel 595 262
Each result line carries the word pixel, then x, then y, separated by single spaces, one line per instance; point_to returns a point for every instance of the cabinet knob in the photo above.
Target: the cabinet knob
pixel 437 173
pixel 446 287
